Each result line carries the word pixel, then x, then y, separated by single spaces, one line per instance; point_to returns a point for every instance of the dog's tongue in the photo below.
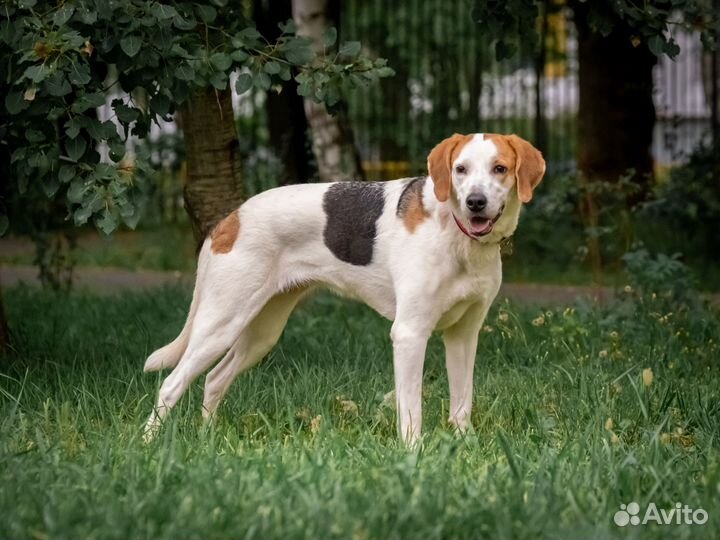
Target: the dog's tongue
pixel 480 226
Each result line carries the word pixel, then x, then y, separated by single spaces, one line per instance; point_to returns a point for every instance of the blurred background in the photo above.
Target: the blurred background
pixel 609 191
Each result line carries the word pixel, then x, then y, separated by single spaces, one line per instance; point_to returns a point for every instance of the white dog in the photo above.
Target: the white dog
pixel 423 252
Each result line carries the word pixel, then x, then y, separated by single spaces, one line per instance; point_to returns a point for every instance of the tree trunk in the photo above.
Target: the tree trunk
pixel 616 114
pixel 214 184
pixel 332 137
pixel 287 124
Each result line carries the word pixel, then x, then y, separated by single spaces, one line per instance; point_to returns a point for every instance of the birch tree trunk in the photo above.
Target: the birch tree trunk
pixel 214 181
pixel 332 137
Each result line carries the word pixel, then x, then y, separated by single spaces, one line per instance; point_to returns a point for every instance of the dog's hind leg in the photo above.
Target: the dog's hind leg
pixel 169 355
pixel 222 314
pixel 251 346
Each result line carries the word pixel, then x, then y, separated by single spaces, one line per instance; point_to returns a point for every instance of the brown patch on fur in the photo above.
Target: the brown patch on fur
pixel 440 163
pixel 523 159
pixel 416 214
pixel 410 204
pixel 223 236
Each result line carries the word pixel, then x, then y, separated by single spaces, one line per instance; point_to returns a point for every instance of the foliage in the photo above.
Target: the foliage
pixel 512 24
pixel 60 60
pixel 690 199
pixel 566 428
pixel 653 275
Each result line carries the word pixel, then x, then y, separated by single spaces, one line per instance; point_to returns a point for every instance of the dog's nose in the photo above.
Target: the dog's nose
pixel 476 202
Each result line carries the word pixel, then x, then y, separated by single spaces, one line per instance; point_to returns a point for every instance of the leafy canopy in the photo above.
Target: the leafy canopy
pixel 58 60
pixel 511 23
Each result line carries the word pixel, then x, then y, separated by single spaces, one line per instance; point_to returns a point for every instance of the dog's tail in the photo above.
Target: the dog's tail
pixel 169 355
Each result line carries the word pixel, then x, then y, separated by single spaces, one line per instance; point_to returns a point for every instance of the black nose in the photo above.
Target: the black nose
pixel 476 202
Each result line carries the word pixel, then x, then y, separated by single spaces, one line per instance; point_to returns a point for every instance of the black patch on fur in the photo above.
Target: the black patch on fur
pixel 352 210
pixel 412 187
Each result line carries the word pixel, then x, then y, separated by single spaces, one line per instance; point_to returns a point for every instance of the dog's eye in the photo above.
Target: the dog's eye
pixel 500 169
pixel 460 169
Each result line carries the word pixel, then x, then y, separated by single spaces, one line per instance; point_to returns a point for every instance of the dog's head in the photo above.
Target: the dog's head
pixel 476 174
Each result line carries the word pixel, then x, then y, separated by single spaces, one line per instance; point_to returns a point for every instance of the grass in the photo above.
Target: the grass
pixel 565 427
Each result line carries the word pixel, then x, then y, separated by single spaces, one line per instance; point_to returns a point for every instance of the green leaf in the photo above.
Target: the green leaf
pixel 57 85
pixel 329 37
pixel 160 104
pixel 262 81
pixel 164 11
pixel 219 80
pixel 76 191
pixel 131 220
pixel 88 101
pixel 239 55
pixel 63 14
pixel 66 173
pixel 350 49
pixel 249 34
pixel 75 148
pixel 50 186
pixel 243 83
pixel 220 61
pixel 285 73
pixel 34 136
pixel 81 215
pixel 15 103
pixel 131 45
pixel 207 13
pixel 88 16
pixel 272 67
pixel 299 51
pixel 125 114
pixel 37 72
pixel 288 27
pixel 72 127
pixel 385 72
pixel 108 222
pixel 79 73
pixel 185 73
pixel 117 150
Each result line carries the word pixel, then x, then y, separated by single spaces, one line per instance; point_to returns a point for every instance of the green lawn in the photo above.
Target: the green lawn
pixel 565 427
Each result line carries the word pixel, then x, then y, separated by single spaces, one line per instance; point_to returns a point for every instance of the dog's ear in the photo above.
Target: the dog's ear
pixel 440 163
pixel 529 167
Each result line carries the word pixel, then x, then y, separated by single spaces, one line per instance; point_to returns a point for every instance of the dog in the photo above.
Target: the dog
pixel 423 252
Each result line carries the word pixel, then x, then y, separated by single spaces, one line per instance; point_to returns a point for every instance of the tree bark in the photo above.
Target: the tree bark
pixel 332 136
pixel 287 124
pixel 214 173
pixel 616 114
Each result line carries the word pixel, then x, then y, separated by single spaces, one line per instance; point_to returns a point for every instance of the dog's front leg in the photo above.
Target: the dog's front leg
pixel 409 343
pixel 460 350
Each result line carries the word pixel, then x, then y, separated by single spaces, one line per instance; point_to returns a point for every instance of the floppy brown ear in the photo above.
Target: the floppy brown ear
pixel 529 167
pixel 440 163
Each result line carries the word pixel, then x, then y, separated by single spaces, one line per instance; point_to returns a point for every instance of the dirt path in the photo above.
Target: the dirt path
pixel 111 280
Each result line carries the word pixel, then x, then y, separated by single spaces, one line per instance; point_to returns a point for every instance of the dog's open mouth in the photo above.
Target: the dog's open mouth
pixel 480 226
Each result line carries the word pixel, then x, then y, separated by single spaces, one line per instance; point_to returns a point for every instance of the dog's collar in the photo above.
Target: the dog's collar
pixel 463 229
pixel 505 241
